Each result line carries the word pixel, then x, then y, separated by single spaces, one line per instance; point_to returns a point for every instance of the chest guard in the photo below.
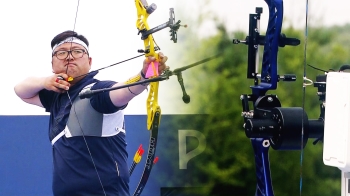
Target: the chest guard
pixel 84 120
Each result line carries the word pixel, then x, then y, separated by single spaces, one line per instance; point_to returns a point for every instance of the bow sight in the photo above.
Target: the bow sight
pixel 174 26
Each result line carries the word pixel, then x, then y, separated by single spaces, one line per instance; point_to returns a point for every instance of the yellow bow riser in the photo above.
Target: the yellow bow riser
pixel 142 15
pixel 152 104
pixel 152 100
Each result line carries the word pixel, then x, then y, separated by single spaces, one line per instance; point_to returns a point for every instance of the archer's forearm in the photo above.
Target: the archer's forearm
pixel 29 87
pixel 122 96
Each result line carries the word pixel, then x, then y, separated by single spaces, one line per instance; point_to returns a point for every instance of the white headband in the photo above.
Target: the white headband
pixel 72 40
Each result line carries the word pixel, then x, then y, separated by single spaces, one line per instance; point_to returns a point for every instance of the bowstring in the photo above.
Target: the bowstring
pixel 81 129
pixel 303 96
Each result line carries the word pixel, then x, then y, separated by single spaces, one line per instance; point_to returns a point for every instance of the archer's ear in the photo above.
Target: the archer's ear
pixel 90 61
pixel 52 67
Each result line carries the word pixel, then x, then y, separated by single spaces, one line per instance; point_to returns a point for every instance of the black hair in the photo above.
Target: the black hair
pixel 64 35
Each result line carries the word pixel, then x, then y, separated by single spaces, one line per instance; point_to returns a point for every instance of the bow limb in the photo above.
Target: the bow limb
pixel 150 156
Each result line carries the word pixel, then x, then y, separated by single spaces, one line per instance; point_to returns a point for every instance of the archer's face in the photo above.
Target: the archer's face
pixel 75 63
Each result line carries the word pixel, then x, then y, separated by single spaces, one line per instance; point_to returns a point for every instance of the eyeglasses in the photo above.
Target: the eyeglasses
pixel 63 54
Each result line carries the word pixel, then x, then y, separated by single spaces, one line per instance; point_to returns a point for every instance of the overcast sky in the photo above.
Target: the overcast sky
pixel 109 25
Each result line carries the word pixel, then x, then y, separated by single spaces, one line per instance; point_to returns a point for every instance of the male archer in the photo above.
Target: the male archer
pixel 87 135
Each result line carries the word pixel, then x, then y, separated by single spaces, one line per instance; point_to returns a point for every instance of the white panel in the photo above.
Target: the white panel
pixel 337 116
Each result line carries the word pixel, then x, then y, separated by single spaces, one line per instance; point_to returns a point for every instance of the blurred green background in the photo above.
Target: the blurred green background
pixel 226 167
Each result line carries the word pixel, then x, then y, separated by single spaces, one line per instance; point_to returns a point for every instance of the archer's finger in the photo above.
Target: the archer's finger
pixel 162 68
pixel 150 59
pixel 62 84
pixel 62 76
pixel 162 58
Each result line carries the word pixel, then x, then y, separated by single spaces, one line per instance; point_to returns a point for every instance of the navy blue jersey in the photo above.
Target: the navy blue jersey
pixel 73 170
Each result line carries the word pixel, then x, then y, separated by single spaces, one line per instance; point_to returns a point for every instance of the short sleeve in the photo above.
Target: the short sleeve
pixel 46 98
pixel 102 102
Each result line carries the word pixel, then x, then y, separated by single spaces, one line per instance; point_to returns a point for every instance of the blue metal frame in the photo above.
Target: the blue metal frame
pixel 269 79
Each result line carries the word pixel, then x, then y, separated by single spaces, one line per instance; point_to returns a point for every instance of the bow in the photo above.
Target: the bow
pixel 268 124
pixel 153 109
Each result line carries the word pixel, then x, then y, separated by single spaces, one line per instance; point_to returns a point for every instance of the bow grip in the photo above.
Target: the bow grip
pixel 152 70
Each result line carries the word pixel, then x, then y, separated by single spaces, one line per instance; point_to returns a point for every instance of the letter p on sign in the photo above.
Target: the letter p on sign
pixel 185 157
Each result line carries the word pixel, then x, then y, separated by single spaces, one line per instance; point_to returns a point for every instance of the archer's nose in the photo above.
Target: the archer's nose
pixel 69 56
